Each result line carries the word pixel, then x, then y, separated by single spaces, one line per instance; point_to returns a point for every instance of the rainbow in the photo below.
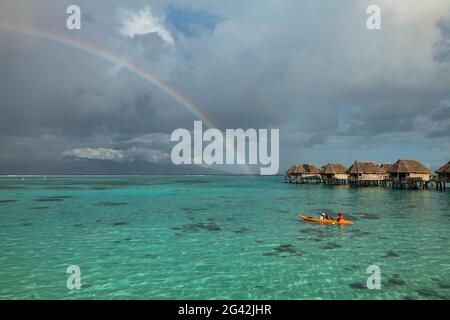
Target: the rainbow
pixel 114 59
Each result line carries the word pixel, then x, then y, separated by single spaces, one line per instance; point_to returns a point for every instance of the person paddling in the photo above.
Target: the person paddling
pixel 323 216
pixel 340 217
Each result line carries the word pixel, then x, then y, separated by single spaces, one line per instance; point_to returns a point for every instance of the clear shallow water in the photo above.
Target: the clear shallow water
pixel 224 237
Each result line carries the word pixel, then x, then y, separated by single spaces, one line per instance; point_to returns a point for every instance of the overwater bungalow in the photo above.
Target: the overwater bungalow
pixel 385 167
pixel 409 173
pixel 444 172
pixel 443 176
pixel 365 174
pixel 288 176
pixel 334 173
pixel 307 173
pixel 303 173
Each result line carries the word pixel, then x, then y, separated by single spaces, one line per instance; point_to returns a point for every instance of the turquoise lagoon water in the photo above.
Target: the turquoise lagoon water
pixel 211 237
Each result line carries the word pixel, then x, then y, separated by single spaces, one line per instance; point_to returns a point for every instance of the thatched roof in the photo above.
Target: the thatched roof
pixel 444 169
pixel 307 168
pixel 384 167
pixel 408 166
pixel 363 167
pixel 303 168
pixel 333 168
pixel 291 169
pixel 297 170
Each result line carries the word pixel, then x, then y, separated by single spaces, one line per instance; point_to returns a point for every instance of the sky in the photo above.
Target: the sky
pixel 337 91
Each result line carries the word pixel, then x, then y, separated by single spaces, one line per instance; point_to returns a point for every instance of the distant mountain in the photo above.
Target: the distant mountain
pixel 86 166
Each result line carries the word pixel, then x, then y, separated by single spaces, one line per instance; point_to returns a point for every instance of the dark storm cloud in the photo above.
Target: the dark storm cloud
pixel 442 47
pixel 444 131
pixel 311 69
pixel 442 113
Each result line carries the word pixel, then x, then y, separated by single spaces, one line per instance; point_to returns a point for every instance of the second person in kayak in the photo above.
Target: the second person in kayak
pixel 323 216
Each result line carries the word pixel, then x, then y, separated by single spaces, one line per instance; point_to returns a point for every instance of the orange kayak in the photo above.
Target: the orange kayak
pixel 324 220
